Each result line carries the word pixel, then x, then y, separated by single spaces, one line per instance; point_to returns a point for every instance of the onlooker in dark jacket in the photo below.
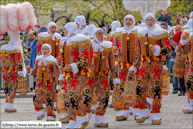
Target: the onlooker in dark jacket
pixel 165 17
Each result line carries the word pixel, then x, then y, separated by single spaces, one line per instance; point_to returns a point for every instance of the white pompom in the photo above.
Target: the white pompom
pixel 12 17
pixel 31 15
pixel 3 20
pixel 146 6
pixel 22 17
pixel 164 4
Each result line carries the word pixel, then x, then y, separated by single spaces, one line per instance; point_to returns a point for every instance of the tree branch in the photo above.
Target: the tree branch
pixel 99 7
pixel 113 8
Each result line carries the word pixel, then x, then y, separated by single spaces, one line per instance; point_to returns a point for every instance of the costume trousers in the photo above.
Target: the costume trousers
pixel 45 89
pixel 76 85
pixel 102 84
pixel 68 105
pixel 189 85
pixel 150 71
pixel 10 86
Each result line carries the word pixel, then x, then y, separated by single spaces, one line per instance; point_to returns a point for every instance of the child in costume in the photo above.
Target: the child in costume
pixel 47 72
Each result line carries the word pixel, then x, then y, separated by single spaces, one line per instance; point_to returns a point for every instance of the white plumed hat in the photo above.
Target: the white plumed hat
pixel 17 16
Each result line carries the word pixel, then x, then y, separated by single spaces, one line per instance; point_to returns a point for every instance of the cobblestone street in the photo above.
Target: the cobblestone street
pixel 172 115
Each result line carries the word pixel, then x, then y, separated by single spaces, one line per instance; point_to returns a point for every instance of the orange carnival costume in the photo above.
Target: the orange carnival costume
pixel 53 40
pixel 150 68
pixel 47 71
pixel 125 42
pixel 111 38
pixel 77 52
pixel 15 18
pixel 185 50
pixel 102 64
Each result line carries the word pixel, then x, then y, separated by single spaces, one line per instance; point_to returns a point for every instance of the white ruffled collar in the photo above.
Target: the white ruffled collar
pixel 97 46
pixel 10 47
pixel 44 59
pixel 54 36
pixel 77 37
pixel 154 31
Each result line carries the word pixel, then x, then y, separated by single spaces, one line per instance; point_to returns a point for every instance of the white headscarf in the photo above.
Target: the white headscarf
pixel 49 25
pixel 43 58
pixel 71 27
pixel 191 14
pixel 154 30
pixel 129 16
pixel 115 25
pixel 96 42
pixel 81 21
pixel 150 15
pixel 190 24
pixel 90 29
pixel 94 34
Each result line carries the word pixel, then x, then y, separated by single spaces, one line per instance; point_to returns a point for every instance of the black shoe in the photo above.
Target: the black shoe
pixel 175 92
pixel 181 94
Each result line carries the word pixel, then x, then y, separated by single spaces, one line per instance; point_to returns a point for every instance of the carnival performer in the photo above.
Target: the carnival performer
pixel 11 58
pixel 81 24
pixel 15 18
pixel 184 51
pixel 94 101
pixel 114 26
pixel 102 65
pixel 47 72
pixel 76 64
pixel 125 40
pixel 152 47
pixel 52 38
pixel 90 28
pixel 111 37
pixel 186 26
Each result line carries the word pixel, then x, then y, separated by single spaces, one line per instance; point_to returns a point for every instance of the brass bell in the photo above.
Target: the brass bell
pixel 88 74
pixel 61 50
pixel 149 61
pixel 157 59
pixel 43 69
pixel 146 43
pixel 103 57
pixel 127 38
pixel 56 44
pixel 9 71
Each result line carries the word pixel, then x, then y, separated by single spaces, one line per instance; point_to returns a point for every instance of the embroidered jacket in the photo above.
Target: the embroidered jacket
pixel 45 37
pixel 47 70
pixel 103 58
pixel 78 52
pixel 157 37
pixel 11 59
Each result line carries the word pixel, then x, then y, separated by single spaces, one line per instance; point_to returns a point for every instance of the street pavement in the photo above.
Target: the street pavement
pixel 172 115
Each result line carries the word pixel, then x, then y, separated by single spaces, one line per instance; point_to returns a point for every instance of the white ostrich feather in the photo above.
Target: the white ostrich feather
pixel 3 20
pixel 31 15
pixel 22 17
pixel 12 17
pixel 146 6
